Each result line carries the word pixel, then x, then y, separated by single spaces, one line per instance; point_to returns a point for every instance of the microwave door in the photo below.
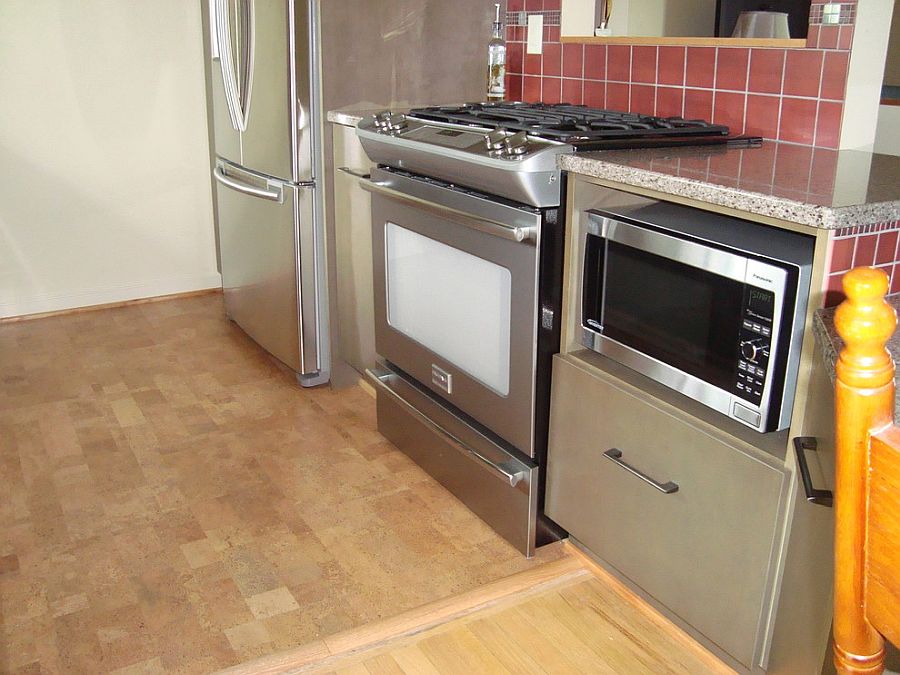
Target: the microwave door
pixel 675 310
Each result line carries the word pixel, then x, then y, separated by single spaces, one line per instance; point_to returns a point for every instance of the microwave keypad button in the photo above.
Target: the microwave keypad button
pixel 746 415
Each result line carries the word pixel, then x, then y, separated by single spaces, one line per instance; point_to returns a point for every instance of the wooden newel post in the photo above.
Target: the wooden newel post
pixel 864 403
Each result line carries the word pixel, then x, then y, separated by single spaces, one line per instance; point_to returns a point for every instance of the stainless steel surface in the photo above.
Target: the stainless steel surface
pixel 355 174
pixel 495 484
pixel 615 456
pixel 236 34
pixel 813 495
pixel 715 261
pixel 267 57
pixel 273 190
pixel 740 238
pixel 477 222
pixel 510 416
pixel 259 270
pixel 352 222
pixel 442 378
pixel 532 178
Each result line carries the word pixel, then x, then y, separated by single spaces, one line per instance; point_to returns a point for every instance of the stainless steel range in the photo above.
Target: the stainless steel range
pixel 467 224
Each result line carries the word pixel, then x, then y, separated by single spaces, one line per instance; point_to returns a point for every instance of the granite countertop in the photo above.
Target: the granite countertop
pixel 831 343
pixel 828 189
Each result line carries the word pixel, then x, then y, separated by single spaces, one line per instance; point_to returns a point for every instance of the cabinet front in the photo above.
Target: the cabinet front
pixel 684 515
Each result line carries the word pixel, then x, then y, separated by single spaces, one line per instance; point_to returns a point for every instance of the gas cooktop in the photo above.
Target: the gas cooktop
pixel 509 149
pixel 582 127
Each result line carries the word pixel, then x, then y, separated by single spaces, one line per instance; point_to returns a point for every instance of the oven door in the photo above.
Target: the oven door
pixel 455 282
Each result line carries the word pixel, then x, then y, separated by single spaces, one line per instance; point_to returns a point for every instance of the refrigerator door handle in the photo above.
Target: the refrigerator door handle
pixel 276 194
pixel 213 31
pixel 238 98
pixel 226 59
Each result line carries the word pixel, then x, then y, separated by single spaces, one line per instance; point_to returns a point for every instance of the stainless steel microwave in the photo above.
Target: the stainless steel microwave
pixel 709 305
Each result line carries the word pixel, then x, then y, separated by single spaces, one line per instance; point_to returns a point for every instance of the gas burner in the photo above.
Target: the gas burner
pixel 581 126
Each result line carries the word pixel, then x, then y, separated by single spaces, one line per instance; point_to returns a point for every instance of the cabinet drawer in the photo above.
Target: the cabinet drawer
pixel 703 551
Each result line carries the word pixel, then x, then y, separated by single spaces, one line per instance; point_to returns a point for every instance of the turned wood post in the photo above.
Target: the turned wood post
pixel 864 404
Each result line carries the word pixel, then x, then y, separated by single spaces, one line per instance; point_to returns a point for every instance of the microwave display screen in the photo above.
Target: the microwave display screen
pixel 674 312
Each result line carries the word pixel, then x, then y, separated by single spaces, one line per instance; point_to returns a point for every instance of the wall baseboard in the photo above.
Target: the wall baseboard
pixel 36 306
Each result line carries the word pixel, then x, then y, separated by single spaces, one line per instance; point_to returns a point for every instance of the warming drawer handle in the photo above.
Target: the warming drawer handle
pixel 275 195
pixel 355 174
pixel 615 455
pixel 820 497
pixel 511 477
pixel 480 223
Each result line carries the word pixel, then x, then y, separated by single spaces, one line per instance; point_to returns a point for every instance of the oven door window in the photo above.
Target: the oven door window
pixel 681 315
pixel 453 303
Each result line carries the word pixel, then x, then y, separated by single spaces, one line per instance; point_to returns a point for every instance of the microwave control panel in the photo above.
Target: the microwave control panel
pixel 755 342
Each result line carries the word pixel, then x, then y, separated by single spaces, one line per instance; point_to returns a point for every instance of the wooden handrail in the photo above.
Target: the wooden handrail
pixel 864 405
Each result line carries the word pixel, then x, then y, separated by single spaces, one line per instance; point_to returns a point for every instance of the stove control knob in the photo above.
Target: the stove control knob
pixel 396 122
pixel 517 144
pixel 381 118
pixel 494 140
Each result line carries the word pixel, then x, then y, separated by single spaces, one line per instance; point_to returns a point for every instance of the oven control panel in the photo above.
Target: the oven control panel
pixel 755 344
pixel 483 141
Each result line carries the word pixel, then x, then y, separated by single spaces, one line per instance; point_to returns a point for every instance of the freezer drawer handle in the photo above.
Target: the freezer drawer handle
pixel 486 225
pixel 813 495
pixel 275 195
pixel 511 477
pixel 615 455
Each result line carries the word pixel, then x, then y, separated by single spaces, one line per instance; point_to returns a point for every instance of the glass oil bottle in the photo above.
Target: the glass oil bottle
pixel 496 86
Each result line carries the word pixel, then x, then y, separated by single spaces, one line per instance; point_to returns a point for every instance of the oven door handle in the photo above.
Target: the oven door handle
pixel 482 224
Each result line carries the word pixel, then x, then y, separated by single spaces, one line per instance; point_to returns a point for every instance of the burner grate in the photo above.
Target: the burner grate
pixel 569 123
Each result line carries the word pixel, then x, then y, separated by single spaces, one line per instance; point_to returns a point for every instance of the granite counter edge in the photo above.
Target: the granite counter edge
pixel 822 217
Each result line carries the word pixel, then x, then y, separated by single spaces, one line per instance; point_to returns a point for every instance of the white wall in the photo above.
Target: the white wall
pixel 867 60
pixel 887 135
pixel 104 180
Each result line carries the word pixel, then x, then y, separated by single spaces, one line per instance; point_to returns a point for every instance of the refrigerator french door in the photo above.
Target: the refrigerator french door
pixel 267 141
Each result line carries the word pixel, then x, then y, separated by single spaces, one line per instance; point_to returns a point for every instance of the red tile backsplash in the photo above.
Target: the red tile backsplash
pixel 595 62
pixel 728 109
pixel 643 99
pixel 701 66
pixel 798 120
pixel 671 65
pixel 618 63
pixel 669 101
pixel 803 72
pixel 552 63
pixel 834 75
pixel 573 60
pixel 617 96
pixel 643 64
pixel 792 95
pixel 766 70
pixel 731 68
pixel 828 124
pixel 698 104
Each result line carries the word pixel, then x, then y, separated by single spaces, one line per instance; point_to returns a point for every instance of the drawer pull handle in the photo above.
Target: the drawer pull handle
pixel 821 497
pixel 615 455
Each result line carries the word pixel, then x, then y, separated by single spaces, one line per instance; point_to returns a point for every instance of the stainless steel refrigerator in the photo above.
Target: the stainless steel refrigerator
pixel 267 139
pixel 273 62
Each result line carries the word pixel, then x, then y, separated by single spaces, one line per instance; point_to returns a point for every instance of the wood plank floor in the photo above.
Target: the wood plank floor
pixel 173 502
pixel 588 623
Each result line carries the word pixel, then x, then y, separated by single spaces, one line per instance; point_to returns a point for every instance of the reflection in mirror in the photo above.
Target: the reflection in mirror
pixel 683 18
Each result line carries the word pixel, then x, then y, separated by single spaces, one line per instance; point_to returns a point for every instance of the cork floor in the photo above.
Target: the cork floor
pixel 170 501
